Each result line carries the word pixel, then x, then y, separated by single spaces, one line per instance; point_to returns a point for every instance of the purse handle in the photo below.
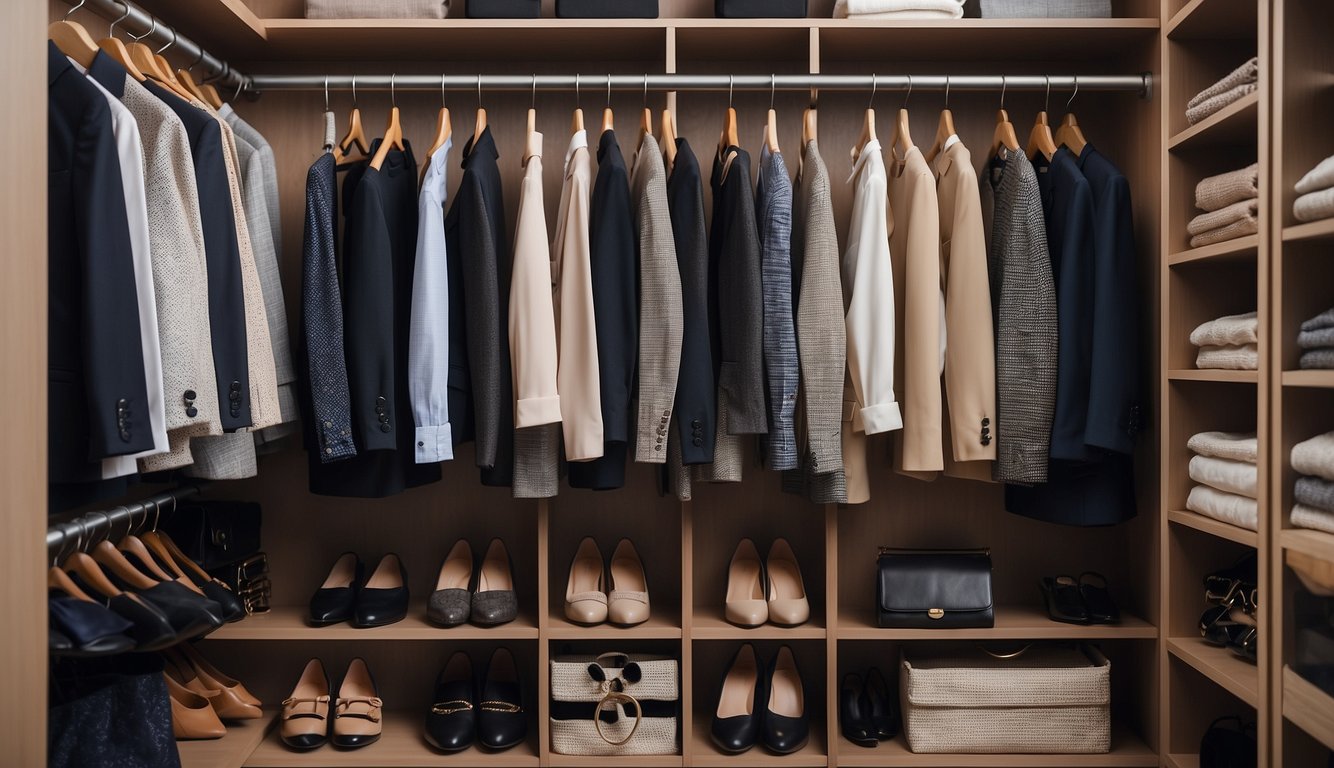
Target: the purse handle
pixel 1010 655
pixel 616 697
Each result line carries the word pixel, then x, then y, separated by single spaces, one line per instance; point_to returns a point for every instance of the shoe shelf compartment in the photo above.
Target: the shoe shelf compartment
pixel 242 739
pixel 288 622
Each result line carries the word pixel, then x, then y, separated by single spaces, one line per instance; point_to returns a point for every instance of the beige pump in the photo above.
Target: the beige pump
pixel 585 596
pixel 788 605
pixel 745 604
pixel 627 601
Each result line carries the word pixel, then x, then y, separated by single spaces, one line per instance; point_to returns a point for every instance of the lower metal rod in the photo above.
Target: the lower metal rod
pixel 82 532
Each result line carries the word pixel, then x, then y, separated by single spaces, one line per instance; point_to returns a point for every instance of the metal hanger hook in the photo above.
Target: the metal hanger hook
pixel 947 91
pixel 1046 101
pixel 874 83
pixel 326 93
pixel 393 93
pixel 479 91
pixel 123 17
pixel 1073 95
pixel 157 515
pixel 645 90
pixel 907 95
pixel 731 81
pixel 169 44
pixel 608 90
pixel 240 85
pixel 1004 84
pixel 69 13
pixel 442 91
pixel 532 103
pixel 196 62
pixel 150 31
pixel 354 91
pixel 773 86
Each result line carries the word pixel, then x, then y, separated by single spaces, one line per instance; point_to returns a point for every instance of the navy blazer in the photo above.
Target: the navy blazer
pixel 97 393
pixel 695 411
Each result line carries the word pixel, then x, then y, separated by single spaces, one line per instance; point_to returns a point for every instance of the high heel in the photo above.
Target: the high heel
pixel 191 715
pixel 358 710
pixel 585 596
pixel 501 722
pixel 383 599
pixel 745 604
pixel 853 717
pixel 788 605
pixel 451 603
pixel 627 597
pixel 305 716
pixel 883 706
pixel 786 728
pixel 229 698
pixel 737 718
pixel 493 600
pixel 334 601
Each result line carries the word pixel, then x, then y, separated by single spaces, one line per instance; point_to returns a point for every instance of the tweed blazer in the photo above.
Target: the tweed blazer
pixel 660 314
pixel 773 214
pixel 1023 300
pixel 821 336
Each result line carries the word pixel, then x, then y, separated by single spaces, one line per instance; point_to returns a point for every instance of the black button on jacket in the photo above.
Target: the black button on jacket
pixel 615 264
pixel 696 404
pixel 98 396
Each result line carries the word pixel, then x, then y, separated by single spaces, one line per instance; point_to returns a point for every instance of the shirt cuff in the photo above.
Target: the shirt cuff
pixel 884 417
pixel 434 444
pixel 536 411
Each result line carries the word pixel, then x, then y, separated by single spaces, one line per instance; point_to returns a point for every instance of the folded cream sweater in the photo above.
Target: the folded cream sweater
pixel 1231 214
pixel 1245 357
pixel 1237 446
pixel 1315 456
pixel 1215 192
pixel 1224 474
pixel 1314 206
pixel 1247 226
pixel 1215 103
pixel 1318 178
pixel 1228 507
pixel 1229 329
pixel 952 9
pixel 1310 517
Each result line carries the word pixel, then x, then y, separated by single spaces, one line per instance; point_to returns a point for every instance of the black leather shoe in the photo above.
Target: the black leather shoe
pixel 501 722
pixel 853 715
pixel 786 728
pixel 337 596
pixel 383 599
pixel 737 718
pixel 181 594
pixel 451 722
pixel 882 706
pixel 232 607
pixel 188 613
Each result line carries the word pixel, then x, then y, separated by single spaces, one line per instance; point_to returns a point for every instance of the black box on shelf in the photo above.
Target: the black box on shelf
pixel 759 9
pixel 607 9
pixel 503 9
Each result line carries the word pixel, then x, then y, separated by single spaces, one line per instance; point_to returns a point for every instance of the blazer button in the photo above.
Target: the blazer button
pixel 384 427
pixel 192 411
pixel 657 447
pixel 695 423
pixel 698 442
pixel 236 386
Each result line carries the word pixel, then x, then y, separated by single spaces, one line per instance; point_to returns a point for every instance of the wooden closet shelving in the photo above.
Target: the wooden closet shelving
pixel 1214 527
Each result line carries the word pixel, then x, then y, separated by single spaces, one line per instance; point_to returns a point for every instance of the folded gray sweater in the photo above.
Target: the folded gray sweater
pixel 1323 320
pixel 1314 492
pixel 1317 359
pixel 1315 456
pixel 1323 337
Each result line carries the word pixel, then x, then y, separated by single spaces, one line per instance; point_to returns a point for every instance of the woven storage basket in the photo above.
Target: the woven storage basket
pixel 1044 700
pixel 644 704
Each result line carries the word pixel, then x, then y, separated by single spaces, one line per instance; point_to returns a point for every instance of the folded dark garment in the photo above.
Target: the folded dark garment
pixel 1317 359
pixel 1323 320
pixel 1314 492
pixel 1317 339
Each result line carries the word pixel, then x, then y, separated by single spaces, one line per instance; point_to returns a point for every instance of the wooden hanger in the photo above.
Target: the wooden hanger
pixel 133 546
pixel 87 569
pixel 187 80
pixel 1004 135
pixel 113 47
pixel 111 558
pixel 1040 138
pixel 393 132
pixel 480 124
pixel 356 135
pixel 645 117
pixel 730 135
pixel 443 131
pixel 1069 134
pixel 58 579
pixel 771 120
pixel 171 554
pixel 72 39
pixel 668 131
pixel 868 125
pixel 944 126
pixel 809 125
pixel 902 141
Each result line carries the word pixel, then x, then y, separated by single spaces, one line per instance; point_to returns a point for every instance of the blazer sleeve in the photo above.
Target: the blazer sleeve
pixel 870 314
pixel 612 249
pixel 428 331
pixel 921 334
pixel 478 253
pixel 370 323
pixel 577 376
pixel 742 312
pixel 1113 410
pixel 1074 315
pixel 660 318
pixel 113 376
pixel 532 319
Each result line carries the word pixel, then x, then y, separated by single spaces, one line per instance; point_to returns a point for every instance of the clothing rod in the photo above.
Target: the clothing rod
pixel 1141 84
pixel 94 526
pixel 159 34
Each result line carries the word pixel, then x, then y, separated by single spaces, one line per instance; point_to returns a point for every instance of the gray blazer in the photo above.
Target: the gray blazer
pixel 773 214
pixel 660 316
pixel 821 337
pixel 1023 301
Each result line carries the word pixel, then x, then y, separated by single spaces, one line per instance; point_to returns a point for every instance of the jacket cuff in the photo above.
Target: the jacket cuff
pixel 536 411
pixel 336 443
pixel 434 444
pixel 884 417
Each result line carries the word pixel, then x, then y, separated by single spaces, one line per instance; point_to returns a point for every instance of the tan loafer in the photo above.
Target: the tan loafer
pixel 305 717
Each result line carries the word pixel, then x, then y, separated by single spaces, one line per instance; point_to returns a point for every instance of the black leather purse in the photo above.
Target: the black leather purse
pixel 933 589
pixel 1233 747
pixel 216 533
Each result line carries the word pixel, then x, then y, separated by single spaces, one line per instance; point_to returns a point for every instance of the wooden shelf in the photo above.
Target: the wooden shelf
pixel 706 755
pixel 1181 761
pixel 1214 19
pixel 1128 751
pixel 1236 675
pixel 658 627
pixel 1308 707
pixel 1231 125
pixel 709 625
pixel 1314 230
pixel 401 745
pixel 1013 622
pixel 1314 543
pixel 288 622
pixel 1214 527
pixel 231 751
pixel 1214 374
pixel 1312 378
pixel 227 28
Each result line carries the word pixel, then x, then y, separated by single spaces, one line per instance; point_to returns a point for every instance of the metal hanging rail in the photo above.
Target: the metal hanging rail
pixel 127 14
pixel 65 538
pixel 1141 84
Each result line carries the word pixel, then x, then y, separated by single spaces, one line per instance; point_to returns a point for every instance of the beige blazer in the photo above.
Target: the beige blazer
pixel 914 247
pixel 660 315
pixel 970 352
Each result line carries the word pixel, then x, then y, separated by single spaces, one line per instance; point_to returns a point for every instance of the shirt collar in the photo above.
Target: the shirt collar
pixel 872 147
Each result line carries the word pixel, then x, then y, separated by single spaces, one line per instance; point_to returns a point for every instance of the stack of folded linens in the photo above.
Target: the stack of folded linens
pixel 1224 467
pixel 1230 202
pixel 1314 492
pixel 1045 9
pixel 377 9
pixel 1239 82
pixel 1316 341
pixel 1315 192
pixel 1230 342
pixel 898 9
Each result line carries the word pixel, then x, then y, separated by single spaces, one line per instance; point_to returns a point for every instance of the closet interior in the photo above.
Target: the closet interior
pixel 1168 685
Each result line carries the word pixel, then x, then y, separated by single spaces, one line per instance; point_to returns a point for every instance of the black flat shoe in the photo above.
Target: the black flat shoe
pixel 883 706
pixel 1064 602
pixel 188 613
pixel 383 599
pixel 853 712
pixel 216 614
pixel 786 728
pixel 56 642
pixel 501 722
pixel 451 722
pixel 1098 599
pixel 737 717
pixel 334 600
pixel 232 609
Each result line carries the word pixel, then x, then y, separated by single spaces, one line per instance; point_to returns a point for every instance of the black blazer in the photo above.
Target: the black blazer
pixel 696 406
pixel 481 389
pixel 97 394
pixel 614 261
pixel 226 302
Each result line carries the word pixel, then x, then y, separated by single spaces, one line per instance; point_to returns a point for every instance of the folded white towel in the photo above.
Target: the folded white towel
pixel 920 14
pixel 1315 456
pixel 1228 507
pixel 1310 517
pixel 1318 178
pixel 1245 357
pixel 875 8
pixel 1228 329
pixel 1237 446
pixel 1314 206
pixel 1231 476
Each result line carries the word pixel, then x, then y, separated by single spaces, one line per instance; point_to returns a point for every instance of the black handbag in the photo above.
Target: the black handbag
pixel 933 589
pixel 216 533
pixel 1228 747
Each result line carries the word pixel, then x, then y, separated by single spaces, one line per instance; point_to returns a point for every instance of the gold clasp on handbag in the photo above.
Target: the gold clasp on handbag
pixel 936 613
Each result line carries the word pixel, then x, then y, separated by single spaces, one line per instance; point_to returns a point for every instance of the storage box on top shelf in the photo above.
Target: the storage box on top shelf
pixel 607 9
pixel 760 9
pixel 503 9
